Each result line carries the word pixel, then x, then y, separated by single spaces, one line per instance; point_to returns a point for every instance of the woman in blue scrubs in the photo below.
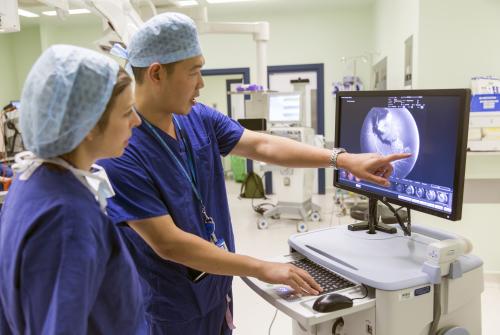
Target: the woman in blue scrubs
pixel 63 267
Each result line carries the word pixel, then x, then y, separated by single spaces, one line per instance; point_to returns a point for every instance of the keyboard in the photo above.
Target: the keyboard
pixel 327 279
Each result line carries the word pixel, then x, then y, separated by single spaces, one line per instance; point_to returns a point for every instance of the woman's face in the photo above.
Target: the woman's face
pixel 112 140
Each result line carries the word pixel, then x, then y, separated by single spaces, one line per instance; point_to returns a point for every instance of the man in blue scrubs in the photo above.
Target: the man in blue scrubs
pixel 170 188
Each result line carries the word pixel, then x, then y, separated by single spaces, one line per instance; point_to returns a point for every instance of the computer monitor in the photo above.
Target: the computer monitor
pixel 430 124
pixel 285 108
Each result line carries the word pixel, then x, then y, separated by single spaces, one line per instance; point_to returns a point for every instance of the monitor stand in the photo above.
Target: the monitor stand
pixel 373 224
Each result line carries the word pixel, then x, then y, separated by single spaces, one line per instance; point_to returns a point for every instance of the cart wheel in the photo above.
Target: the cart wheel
pixel 262 223
pixel 315 216
pixel 302 227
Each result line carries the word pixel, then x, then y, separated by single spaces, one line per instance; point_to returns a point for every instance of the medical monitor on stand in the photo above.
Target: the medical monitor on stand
pixel 285 108
pixel 430 124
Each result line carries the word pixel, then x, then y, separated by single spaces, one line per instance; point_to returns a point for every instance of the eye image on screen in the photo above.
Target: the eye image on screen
pixel 388 131
pixel 431 125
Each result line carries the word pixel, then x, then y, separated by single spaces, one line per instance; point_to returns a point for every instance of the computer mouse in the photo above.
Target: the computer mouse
pixel 331 302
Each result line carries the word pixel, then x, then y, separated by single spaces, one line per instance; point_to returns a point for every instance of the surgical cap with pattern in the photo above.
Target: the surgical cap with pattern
pixel 164 39
pixel 63 98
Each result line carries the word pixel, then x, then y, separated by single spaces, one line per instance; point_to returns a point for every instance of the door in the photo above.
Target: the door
pixel 280 79
pixel 218 82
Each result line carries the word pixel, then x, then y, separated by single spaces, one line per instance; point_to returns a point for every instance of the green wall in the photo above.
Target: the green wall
pixel 458 39
pixel 83 31
pixel 26 47
pixel 8 78
pixel 19 51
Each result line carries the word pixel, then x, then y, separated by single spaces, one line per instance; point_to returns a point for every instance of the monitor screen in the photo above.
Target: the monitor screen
pixel 284 107
pixel 430 124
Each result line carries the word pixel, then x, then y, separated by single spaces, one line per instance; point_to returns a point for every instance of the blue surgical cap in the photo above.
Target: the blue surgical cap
pixel 164 39
pixel 64 96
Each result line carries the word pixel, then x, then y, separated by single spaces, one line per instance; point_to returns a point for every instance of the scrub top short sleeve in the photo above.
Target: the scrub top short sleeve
pixel 227 131
pixel 137 196
pixel 149 183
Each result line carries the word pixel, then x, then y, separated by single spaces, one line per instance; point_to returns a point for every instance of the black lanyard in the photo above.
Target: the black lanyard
pixel 209 223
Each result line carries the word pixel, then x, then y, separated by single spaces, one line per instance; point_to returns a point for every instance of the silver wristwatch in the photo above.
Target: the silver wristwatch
pixel 333 158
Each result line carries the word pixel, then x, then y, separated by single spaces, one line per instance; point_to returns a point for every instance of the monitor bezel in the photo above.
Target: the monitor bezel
pixel 461 148
pixel 274 94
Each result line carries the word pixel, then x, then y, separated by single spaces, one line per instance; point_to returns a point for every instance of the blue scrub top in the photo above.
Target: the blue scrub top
pixel 148 183
pixel 64 268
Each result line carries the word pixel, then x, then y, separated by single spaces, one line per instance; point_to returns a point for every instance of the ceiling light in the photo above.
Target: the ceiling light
pixel 50 13
pixel 79 11
pixel 185 3
pixel 225 1
pixel 71 12
pixel 25 13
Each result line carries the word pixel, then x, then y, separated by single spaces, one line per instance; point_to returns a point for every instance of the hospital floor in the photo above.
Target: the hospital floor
pixel 252 314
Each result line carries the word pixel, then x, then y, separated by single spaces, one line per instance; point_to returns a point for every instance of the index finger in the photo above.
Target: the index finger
pixel 395 157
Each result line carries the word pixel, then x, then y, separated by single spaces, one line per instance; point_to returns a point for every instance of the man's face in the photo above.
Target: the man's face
pixel 182 86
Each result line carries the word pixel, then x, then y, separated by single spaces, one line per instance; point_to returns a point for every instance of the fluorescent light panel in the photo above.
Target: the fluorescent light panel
pixel 186 3
pixel 225 1
pixel 50 13
pixel 71 12
pixel 25 13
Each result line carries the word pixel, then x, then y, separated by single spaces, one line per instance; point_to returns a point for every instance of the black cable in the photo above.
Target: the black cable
pixel 338 322
pixel 12 126
pixel 405 229
pixel 366 293
pixel 10 151
pixel 408 218
pixel 260 207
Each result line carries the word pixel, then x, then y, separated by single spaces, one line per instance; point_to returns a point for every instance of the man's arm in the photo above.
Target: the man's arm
pixel 286 152
pixel 280 151
pixel 172 243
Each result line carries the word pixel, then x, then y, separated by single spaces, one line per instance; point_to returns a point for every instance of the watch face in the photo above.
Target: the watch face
pixel 335 153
